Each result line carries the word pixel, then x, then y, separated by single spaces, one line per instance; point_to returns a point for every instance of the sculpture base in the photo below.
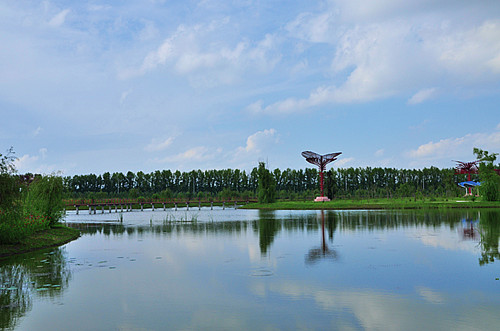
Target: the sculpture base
pixel 321 199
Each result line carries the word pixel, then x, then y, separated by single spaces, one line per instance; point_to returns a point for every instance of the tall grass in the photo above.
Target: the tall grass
pixel 25 209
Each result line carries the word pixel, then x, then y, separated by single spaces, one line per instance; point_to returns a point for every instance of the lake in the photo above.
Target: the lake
pixel 269 270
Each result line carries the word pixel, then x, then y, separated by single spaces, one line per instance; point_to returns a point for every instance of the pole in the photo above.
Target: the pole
pixel 321 182
pixel 470 188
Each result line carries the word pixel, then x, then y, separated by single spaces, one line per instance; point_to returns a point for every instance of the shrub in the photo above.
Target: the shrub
pixel 133 193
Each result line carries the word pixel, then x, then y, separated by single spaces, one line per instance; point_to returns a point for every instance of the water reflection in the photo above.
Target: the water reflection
pixel 324 252
pixel 469 229
pixel 42 274
pixel 254 272
pixel 489 228
pixel 481 226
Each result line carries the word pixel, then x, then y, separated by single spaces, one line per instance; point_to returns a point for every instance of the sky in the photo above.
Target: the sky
pixel 117 86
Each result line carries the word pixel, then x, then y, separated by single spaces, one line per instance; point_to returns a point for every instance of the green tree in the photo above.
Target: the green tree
pixel 9 185
pixel 490 181
pixel 267 186
pixel 10 207
pixel 44 198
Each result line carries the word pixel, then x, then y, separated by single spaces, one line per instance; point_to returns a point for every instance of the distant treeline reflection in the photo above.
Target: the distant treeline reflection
pixel 268 226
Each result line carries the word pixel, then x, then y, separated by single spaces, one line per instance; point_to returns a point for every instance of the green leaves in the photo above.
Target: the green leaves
pixel 490 181
pixel 267 185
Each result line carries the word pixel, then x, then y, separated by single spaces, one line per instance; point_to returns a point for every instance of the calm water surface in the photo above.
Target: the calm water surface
pixel 268 270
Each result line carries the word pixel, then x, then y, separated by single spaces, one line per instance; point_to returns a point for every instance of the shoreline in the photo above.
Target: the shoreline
pixel 375 204
pixel 52 237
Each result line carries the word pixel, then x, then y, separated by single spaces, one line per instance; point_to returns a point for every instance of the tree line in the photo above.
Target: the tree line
pixel 289 183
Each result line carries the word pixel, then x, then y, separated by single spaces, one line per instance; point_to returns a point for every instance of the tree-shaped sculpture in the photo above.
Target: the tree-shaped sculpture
pixel 467 168
pixel 321 161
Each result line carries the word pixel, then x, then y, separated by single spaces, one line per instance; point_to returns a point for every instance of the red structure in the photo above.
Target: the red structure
pixel 321 161
pixel 467 168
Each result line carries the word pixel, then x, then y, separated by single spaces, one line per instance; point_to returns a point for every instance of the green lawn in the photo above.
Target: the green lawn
pixel 400 203
pixel 52 237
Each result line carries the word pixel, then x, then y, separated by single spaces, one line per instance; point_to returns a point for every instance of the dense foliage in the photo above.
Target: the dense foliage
pixel 289 183
pixel 490 181
pixel 27 204
pixel 267 185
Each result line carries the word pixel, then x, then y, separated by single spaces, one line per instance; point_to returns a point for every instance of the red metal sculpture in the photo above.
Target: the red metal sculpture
pixel 321 161
pixel 467 168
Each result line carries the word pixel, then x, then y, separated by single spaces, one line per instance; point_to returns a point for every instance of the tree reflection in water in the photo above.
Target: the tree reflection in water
pixel 489 228
pixel 317 254
pixel 44 274
pixel 269 225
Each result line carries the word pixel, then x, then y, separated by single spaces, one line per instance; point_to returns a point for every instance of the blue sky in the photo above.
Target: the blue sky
pixel 96 86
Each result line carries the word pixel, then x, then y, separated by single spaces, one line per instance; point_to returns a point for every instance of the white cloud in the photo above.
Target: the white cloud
pixel 195 154
pixel 422 96
pixel 473 53
pixel 314 28
pixel 451 147
pixel 258 141
pixel 37 131
pixel 98 7
pixel 148 32
pixel 343 161
pixel 380 152
pixel 59 19
pixel 25 163
pixel 430 295
pixel 124 96
pixel 159 144
pixel 200 54
pixel 256 107
pixel 258 145
pixel 402 48
pixel 43 152
pixel 317 97
pixel 36 164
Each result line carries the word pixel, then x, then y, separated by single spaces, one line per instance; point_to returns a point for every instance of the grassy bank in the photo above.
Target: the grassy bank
pixel 375 204
pixel 51 237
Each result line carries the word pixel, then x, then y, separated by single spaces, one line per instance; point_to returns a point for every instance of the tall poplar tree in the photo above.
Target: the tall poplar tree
pixel 267 185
